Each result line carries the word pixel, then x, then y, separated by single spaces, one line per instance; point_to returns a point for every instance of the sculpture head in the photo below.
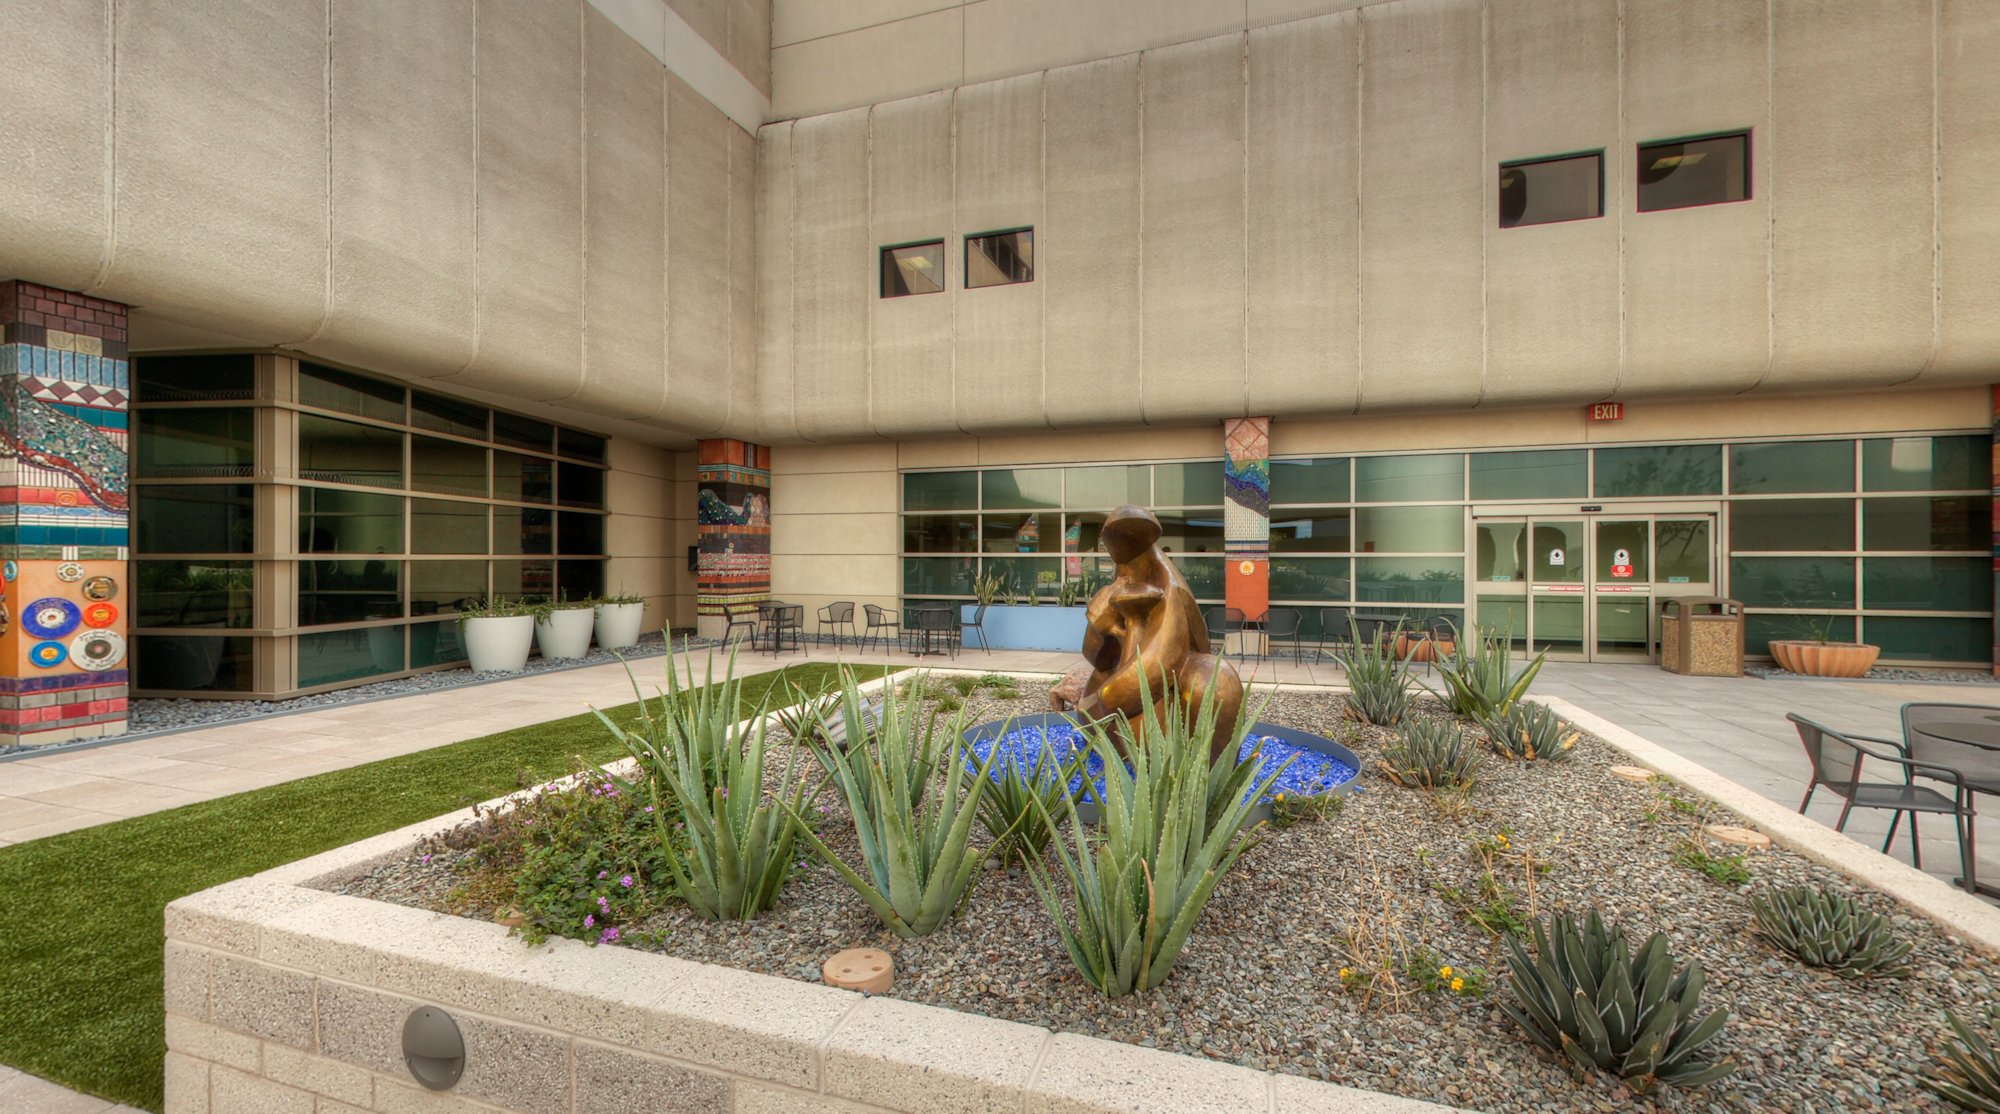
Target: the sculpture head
pixel 1129 532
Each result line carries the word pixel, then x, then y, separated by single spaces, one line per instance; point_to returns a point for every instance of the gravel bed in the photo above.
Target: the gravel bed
pixel 1886 673
pixel 1259 982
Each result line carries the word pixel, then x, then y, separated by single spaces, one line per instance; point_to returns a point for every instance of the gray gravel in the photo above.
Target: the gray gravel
pixel 1886 673
pixel 1258 985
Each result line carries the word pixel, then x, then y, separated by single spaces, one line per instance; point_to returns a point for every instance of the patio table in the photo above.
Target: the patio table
pixel 1971 727
pixel 928 621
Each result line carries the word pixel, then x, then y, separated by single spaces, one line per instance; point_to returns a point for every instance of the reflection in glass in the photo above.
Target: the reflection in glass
pixel 523 530
pixel 1311 530
pixel 447 526
pixel 1409 530
pixel 192 594
pixel 1935 639
pixel 1927 583
pixel 1320 480
pixel 1410 579
pixel 940 533
pixel 1397 479
pixel 1021 489
pixel 1766 525
pixel 523 433
pixel 1108 486
pixel 349 591
pixel 333 521
pixel 331 657
pixel 1685 550
pixel 999 258
pixel 193 663
pixel 447 415
pixel 1926 463
pixel 1020 533
pixel 1779 467
pixel 523 479
pixel 1204 576
pixel 913 269
pixel 190 443
pixel 1556 552
pixel 1039 576
pixel 1548 474
pixel 1937 522
pixel 1311 579
pixel 1548 191
pixel 1659 470
pixel 940 491
pixel 440 587
pixel 1792 582
pixel 1558 624
pixel 1760 629
pixel 436 644
pixel 1626 539
pixel 333 451
pixel 1501 551
pixel 1192 484
pixel 1623 625
pixel 208 518
pixel 331 389
pixel 1694 172
pixel 938 576
pixel 448 466
pixel 531 579
pixel 1191 531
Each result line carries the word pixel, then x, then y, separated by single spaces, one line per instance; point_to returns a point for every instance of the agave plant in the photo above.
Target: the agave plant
pixel 1378 689
pixel 1968 1072
pixel 1829 930
pixel 915 842
pixel 1585 995
pixel 1479 675
pixel 1140 885
pixel 807 718
pixel 699 768
pixel 1530 731
pixel 1018 803
pixel 1430 754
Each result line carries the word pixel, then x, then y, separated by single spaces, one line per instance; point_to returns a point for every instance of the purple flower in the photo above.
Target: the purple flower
pixel 626 881
pixel 590 920
pixel 649 808
pixel 604 905
pixel 602 874
pixel 610 934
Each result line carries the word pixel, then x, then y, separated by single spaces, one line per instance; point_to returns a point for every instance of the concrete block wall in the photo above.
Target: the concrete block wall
pixel 835 527
pixel 650 494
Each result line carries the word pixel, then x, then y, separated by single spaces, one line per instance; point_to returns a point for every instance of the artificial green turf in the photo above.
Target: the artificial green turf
pixel 80 913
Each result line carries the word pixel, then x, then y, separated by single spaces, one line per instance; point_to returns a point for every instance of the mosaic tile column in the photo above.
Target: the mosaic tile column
pixel 1246 514
pixel 732 527
pixel 63 437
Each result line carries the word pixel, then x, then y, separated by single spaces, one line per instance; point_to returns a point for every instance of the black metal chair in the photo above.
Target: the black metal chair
pixel 1221 623
pixel 1837 758
pixel 742 617
pixel 935 624
pixel 880 624
pixel 976 624
pixel 832 617
pixel 1282 624
pixel 1437 634
pixel 784 628
pixel 1333 631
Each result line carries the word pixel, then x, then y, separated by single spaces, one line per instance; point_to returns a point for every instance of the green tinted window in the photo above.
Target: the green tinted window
pixel 1113 485
pixel 1323 480
pixel 1938 522
pixel 192 594
pixel 448 466
pixel 349 591
pixel 1927 583
pixel 210 518
pixel 436 644
pixel 941 491
pixel 195 378
pixel 1409 529
pixel 523 530
pixel 334 656
pixel 1204 576
pixel 1768 525
pixel 192 663
pixel 524 479
pixel 1400 479
pixel 192 443
pixel 1759 630
pixel 1311 530
pixel 1659 470
pixel 1553 474
pixel 442 526
pixel 350 453
pixel 1782 466
pixel 1310 578
pixel 941 533
pixel 1927 464
pixel 329 389
pixel 1409 579
pixel 332 521
pixel 1193 531
pixel 1024 575
pixel 442 587
pixel 938 576
pixel 1794 582
pixel 1020 533
pixel 1911 638
pixel 1187 485
pixel 1021 489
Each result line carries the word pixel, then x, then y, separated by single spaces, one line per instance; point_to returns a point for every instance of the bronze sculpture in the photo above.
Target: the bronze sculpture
pixel 1145 624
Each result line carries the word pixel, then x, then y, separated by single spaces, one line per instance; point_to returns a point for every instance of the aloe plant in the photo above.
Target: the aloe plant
pixel 1586 996
pixel 1019 802
pixel 1140 885
pixel 1530 731
pixel 915 841
pixel 1479 675
pixel 1829 930
pixel 1968 1072
pixel 1378 690
pixel 1430 754
pixel 698 767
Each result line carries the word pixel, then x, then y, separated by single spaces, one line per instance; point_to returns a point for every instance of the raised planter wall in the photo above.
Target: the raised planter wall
pixel 1018 627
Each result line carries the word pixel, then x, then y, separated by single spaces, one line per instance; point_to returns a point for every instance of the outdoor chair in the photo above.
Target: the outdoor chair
pixel 937 625
pixel 784 628
pixel 1221 622
pixel 742 617
pixel 1281 624
pixel 1837 758
pixel 832 618
pixel 1333 631
pixel 878 623
pixel 1435 635
pixel 976 625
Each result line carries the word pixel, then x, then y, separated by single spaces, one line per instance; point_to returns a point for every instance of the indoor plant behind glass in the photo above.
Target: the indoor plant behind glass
pixel 618 620
pixel 562 628
pixel 498 634
pixel 1818 655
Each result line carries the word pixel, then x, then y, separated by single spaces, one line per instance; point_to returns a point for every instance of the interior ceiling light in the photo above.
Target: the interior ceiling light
pixel 915 262
pixel 1506 182
pixel 1673 162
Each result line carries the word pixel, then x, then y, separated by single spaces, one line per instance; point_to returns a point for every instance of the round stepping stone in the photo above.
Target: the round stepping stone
pixel 865 969
pixel 1742 837
pixel 509 917
pixel 1632 773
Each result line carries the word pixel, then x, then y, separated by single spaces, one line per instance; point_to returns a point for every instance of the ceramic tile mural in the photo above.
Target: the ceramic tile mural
pixel 732 524
pixel 1246 514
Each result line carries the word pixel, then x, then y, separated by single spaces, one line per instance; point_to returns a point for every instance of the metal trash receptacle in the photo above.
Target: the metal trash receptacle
pixel 1702 636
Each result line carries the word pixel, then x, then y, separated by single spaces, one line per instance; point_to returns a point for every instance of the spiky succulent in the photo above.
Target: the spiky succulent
pixel 1829 930
pixel 1968 1069
pixel 1530 731
pixel 1008 811
pixel 1586 995
pixel 1479 675
pixel 1378 690
pixel 1430 754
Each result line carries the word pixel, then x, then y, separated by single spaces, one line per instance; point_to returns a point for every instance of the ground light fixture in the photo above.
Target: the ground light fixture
pixel 433 1048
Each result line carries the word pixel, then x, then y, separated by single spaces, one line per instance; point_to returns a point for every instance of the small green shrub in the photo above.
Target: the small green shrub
pixel 1530 732
pixel 1824 929
pixel 1479 677
pixel 1732 869
pixel 1586 996
pixel 1968 1068
pixel 1017 804
pixel 1430 754
pixel 1433 975
pixel 1378 689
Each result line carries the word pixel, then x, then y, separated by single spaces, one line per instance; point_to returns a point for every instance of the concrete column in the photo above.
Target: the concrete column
pixel 63 502
pixel 1996 528
pixel 1246 513
pixel 732 529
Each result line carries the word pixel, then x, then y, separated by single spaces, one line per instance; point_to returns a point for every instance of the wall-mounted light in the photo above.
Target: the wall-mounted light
pixel 432 1048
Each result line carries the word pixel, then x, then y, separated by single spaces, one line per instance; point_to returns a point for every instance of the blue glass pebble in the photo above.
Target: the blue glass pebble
pixel 1310 774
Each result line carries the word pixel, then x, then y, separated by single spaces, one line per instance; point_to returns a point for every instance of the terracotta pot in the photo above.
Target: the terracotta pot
pixel 1824 659
pixel 1418 648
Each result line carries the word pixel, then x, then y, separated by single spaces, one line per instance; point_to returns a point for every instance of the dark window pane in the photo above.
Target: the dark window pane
pixel 448 466
pixel 938 576
pixel 940 533
pixel 1782 466
pixel 1794 582
pixel 579 580
pixel 1311 530
pixel 1554 474
pixel 334 656
pixel 195 378
pixel 214 518
pixel 525 479
pixel 1038 576
pixel 1396 479
pixel 1552 190
pixel 581 445
pixel 1020 533
pixel 1323 480
pixel 1659 470
pixel 580 534
pixel 523 530
pixel 941 491
pixel 192 594
pixel 440 526
pixel 1000 258
pixel 193 443
pixel 447 415
pixel 1760 630
pixel 1193 531
pixel 346 452
pixel 523 433
pixel 1927 583
pixel 436 644
pixel 192 663
pixel 1694 172
pixel 514 580
pixel 579 485
pixel 349 522
pixel 1940 522
pixel 349 591
pixel 438 587
pixel 1776 525
pixel 1927 463
pixel 1204 576
pixel 1409 579
pixel 1313 579
pixel 1025 489
pixel 1911 638
pixel 330 389
pixel 913 269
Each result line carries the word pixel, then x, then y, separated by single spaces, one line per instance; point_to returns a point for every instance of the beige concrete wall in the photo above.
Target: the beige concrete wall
pixel 835 532
pixel 515 199
pixel 650 494
pixel 1299 217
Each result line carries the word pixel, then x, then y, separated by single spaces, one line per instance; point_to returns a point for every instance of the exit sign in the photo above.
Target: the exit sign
pixel 1607 412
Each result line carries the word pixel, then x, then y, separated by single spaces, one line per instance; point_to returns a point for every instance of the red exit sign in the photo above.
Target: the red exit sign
pixel 1607 412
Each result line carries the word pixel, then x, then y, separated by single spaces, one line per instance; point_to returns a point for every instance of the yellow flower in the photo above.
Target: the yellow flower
pixel 1346 972
pixel 1458 984
pixel 1501 839
pixel 1279 797
pixel 1445 971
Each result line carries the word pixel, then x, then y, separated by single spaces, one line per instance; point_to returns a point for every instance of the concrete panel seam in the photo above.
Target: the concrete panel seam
pixel 1139 76
pixel 1618 373
pixel 108 250
pixel 819 1050
pixel 1937 198
pixel 1244 60
pixel 478 158
pixel 1035 1072
pixel 1360 226
pixel 1771 197
pixel 1485 230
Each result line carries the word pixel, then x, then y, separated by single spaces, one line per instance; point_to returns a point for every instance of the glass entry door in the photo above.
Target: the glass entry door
pixel 1586 586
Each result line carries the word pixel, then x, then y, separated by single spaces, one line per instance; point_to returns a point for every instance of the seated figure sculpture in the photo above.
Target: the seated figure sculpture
pixel 1145 624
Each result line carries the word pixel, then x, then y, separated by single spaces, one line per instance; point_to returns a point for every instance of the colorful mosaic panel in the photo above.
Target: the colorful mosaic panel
pixel 1246 513
pixel 732 524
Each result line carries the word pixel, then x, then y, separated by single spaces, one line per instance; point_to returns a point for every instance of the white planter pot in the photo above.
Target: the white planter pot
pixel 618 624
pixel 499 645
pixel 565 633
pixel 385 648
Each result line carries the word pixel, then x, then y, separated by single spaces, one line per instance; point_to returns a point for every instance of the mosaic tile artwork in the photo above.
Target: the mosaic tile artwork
pixel 732 524
pixel 1246 514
